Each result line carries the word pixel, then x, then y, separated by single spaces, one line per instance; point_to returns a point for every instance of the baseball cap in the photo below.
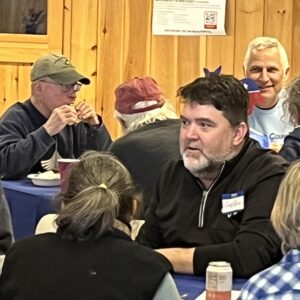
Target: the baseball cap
pixel 255 97
pixel 57 68
pixel 137 95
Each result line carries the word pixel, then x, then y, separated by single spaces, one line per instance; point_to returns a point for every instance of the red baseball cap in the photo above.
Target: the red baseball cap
pixel 131 94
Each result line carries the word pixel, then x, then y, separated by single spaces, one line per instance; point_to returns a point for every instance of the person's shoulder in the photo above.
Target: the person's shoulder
pixel 16 108
pixel 160 133
pixel 32 242
pixel 170 122
pixel 273 160
pixel 117 146
pixel 266 283
pixel 148 256
pixel 20 105
pixel 260 163
pixel 134 250
pixel 255 285
pixel 167 124
pixel 256 153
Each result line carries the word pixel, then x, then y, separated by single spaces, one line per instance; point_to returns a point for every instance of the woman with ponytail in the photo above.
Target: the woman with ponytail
pixel 91 256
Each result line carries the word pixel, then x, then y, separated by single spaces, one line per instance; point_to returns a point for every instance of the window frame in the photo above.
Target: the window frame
pixel 26 48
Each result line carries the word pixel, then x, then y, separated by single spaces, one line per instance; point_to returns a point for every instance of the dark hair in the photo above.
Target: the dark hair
pixel 100 191
pixel 292 104
pixel 224 92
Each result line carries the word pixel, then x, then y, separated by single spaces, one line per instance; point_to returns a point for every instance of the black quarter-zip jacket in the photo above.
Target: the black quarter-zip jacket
pixel 183 214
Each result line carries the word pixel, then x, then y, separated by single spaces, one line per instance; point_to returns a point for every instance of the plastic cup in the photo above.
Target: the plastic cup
pixel 64 166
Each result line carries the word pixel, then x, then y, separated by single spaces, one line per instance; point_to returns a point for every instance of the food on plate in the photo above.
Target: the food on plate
pixel 50 175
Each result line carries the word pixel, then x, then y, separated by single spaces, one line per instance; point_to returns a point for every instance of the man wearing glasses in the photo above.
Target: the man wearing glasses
pixel 49 125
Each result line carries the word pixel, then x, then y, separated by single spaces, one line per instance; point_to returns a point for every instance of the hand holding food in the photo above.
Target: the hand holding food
pixel 59 118
pixel 86 113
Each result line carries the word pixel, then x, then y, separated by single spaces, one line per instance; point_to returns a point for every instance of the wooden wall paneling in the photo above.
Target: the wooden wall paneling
pixel 26 48
pixel 15 84
pixel 8 85
pixel 164 64
pixel 220 49
pixel 137 38
pixel 295 57
pixel 3 99
pixel 278 21
pixel 24 83
pixel 167 61
pixel 28 53
pixel 110 60
pixel 248 25
pixel 84 45
pixel 191 58
pixel 67 28
pixel 55 25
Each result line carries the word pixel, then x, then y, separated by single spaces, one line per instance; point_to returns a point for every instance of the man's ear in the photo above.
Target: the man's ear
pixel 37 86
pixel 239 133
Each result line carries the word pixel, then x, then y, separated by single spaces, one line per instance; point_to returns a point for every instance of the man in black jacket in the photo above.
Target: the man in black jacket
pixel 215 203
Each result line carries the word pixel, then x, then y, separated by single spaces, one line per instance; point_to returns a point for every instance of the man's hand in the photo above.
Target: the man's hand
pixel 86 113
pixel 60 117
pixel 180 258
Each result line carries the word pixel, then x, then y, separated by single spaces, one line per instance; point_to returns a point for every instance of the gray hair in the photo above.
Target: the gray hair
pixel 264 42
pixel 100 191
pixel 286 210
pixel 134 121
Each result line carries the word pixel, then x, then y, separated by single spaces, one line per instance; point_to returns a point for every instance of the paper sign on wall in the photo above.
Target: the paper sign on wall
pixel 189 17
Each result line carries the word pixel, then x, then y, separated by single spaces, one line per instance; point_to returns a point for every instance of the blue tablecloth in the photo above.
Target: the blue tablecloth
pixel 190 287
pixel 28 203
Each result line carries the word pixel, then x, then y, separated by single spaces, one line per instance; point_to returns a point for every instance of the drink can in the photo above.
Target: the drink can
pixel 218 281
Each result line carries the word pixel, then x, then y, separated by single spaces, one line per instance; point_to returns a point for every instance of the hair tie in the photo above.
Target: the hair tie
pixel 103 185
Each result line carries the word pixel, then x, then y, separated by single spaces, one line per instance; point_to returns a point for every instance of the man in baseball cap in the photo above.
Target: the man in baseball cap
pixel 151 129
pixel 137 95
pixel 49 125
pixel 58 68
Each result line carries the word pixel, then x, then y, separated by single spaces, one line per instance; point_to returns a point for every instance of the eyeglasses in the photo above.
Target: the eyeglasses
pixel 65 87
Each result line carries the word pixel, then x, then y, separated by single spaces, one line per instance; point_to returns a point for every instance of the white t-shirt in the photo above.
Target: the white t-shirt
pixel 272 124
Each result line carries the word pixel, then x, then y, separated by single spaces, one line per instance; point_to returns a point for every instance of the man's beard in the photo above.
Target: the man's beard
pixel 204 165
pixel 201 167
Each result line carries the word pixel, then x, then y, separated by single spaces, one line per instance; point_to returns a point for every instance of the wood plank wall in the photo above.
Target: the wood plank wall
pixel 110 41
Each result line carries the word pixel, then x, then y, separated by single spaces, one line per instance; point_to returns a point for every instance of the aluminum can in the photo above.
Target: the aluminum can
pixel 218 281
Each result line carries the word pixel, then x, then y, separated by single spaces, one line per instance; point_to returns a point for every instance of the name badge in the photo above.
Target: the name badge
pixel 232 203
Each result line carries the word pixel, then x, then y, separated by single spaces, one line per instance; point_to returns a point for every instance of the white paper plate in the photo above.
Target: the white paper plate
pixel 43 181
